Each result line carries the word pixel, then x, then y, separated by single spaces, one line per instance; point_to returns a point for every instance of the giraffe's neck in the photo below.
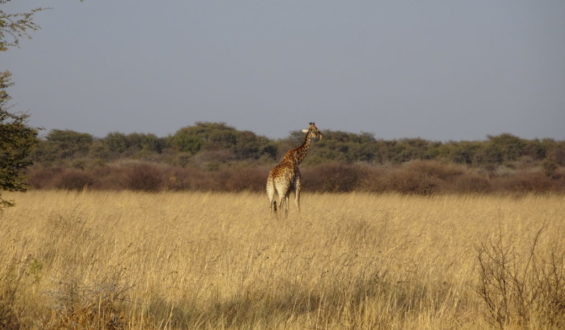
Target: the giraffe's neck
pixel 301 152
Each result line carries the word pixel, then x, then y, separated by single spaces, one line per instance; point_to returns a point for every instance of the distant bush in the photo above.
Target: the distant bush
pixel 558 153
pixel 71 179
pixel 333 177
pixel 43 178
pixel 424 177
pixel 418 177
pixel 531 181
pixel 70 141
pixel 442 171
pixel 549 168
pixel 245 179
pixel 178 178
pixel 408 181
pixel 471 183
pixel 143 177
pixel 337 146
pixel 219 137
pixel 117 145
pixel 109 177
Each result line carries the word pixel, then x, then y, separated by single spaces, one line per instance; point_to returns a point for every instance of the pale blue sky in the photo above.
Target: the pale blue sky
pixel 441 70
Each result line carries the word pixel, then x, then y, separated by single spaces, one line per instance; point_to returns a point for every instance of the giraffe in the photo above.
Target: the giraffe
pixel 285 177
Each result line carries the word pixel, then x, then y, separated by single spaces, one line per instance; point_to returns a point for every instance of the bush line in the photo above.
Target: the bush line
pixel 416 177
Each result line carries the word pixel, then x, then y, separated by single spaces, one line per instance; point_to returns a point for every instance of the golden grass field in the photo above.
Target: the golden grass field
pixel 92 260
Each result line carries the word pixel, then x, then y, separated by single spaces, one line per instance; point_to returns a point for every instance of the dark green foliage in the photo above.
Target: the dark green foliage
pixel 464 152
pixel 549 168
pixel 536 149
pixel 212 145
pixel 557 153
pixel 138 142
pixel 61 146
pixel 500 149
pixel 136 145
pixel 400 151
pixel 250 146
pixel 16 138
pixel 336 146
pixel 509 146
pixel 204 135
pixel 16 142
pixel 269 151
pixel 185 141
pixel 212 137
pixel 115 143
pixel 66 144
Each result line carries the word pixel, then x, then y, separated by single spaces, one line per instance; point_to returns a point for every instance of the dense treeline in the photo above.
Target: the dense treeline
pixel 215 156
pixel 203 144
pixel 218 143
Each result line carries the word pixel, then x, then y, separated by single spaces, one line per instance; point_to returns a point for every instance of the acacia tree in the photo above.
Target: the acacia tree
pixel 16 137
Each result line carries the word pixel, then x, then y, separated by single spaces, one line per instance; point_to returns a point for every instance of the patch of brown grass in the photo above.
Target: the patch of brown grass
pixel 99 260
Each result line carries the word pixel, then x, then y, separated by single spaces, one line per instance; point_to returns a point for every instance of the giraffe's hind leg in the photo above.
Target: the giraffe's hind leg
pixel 297 186
pixel 271 195
pixel 283 204
pixel 283 193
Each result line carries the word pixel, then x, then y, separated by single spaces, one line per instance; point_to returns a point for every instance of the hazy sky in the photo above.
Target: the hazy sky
pixel 442 70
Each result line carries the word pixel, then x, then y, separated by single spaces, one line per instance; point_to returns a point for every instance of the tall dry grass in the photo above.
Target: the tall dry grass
pixel 117 260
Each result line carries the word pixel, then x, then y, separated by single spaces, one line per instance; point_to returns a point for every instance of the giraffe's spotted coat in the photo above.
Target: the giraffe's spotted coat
pixel 285 176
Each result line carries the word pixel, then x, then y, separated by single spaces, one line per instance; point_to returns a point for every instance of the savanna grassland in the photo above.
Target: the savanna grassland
pixel 90 260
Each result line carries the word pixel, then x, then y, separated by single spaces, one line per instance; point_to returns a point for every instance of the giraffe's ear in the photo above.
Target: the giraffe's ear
pixel 304 131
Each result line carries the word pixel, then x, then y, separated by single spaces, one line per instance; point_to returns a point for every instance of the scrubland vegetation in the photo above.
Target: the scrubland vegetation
pixel 99 259
pixel 217 157
pixel 415 177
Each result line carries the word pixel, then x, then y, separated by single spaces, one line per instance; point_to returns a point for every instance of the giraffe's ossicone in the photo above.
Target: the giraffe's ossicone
pixel 285 176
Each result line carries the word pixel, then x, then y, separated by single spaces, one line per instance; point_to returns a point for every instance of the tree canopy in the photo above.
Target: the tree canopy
pixel 16 142
pixel 16 137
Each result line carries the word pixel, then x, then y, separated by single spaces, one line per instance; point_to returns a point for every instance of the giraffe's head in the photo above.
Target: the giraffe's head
pixel 313 131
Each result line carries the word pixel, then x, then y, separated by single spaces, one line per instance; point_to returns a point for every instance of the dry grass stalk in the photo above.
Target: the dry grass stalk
pixel 129 260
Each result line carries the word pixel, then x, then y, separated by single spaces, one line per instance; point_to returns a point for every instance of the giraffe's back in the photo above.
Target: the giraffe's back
pixel 282 177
